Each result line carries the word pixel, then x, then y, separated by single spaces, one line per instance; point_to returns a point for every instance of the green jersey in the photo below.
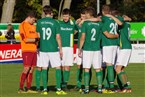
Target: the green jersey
pixel 110 26
pixel 124 36
pixel 79 35
pixel 48 28
pixel 92 32
pixel 67 33
pixel 119 27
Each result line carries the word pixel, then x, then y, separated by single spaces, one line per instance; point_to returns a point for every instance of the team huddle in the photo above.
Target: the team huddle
pixel 103 44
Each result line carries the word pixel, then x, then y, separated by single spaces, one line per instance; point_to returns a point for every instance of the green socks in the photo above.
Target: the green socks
pixel 124 81
pixel 38 77
pixel 86 79
pixel 58 78
pixel 99 76
pixel 79 77
pixel 44 78
pixel 110 75
pixel 66 75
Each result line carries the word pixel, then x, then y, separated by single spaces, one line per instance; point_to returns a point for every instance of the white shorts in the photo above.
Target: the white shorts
pixel 109 54
pixel 68 56
pixel 78 59
pixel 52 57
pixel 92 58
pixel 123 57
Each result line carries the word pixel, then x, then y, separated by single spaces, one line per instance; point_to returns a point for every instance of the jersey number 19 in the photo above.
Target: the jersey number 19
pixel 46 33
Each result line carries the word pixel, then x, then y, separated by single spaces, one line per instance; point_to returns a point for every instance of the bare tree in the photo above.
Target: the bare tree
pixel 45 2
pixel 60 7
pixel 7 11
pixel 67 4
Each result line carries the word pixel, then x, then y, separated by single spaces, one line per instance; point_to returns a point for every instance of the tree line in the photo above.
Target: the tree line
pixel 15 10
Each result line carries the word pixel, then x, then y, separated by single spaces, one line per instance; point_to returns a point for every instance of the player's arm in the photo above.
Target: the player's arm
pixel 58 39
pixel 23 35
pixel 115 19
pixel 98 19
pixel 126 18
pixel 109 35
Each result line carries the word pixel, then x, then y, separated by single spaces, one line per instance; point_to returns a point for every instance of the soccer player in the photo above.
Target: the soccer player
pixel 124 52
pixel 67 30
pixel 50 40
pixel 90 43
pixel 124 56
pixel 29 38
pixel 79 59
pixel 109 43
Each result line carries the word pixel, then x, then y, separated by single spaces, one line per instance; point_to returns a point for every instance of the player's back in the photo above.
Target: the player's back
pixel 110 26
pixel 48 28
pixel 93 35
pixel 124 36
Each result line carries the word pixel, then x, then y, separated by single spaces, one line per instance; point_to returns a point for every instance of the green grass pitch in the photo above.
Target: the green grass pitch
pixel 9 82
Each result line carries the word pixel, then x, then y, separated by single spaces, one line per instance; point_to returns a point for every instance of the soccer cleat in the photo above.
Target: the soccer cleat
pixel 44 92
pixel 99 91
pixel 61 92
pixel 31 91
pixel 85 91
pixel 21 91
pixel 125 90
pixel 105 91
pixel 110 92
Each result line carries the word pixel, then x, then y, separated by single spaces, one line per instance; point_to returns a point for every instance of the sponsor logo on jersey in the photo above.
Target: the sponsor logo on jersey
pixel 68 29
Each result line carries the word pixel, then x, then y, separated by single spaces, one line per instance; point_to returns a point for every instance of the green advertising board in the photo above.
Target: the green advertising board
pixel 3 29
pixel 137 31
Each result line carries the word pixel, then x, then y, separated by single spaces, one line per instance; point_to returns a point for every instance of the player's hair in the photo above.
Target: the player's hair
pixel 90 10
pixel 32 14
pixel 115 12
pixel 106 9
pixel 82 11
pixel 47 9
pixel 66 11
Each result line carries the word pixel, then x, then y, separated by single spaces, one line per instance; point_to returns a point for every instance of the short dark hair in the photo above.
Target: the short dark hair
pixel 106 9
pixel 32 14
pixel 47 9
pixel 82 11
pixel 90 10
pixel 66 11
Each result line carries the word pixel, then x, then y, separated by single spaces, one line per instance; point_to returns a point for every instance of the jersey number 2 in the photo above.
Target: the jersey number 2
pixel 93 31
pixel 46 33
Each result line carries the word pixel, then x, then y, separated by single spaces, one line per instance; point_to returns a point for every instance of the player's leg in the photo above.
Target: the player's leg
pixel 79 72
pixel 122 62
pixel 97 66
pixel 38 78
pixel 38 73
pixel 107 57
pixel 87 61
pixel 24 73
pixel 67 67
pixel 56 63
pixel 32 59
pixel 44 60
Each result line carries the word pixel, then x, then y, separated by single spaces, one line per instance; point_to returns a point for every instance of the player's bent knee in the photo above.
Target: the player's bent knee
pixel 26 69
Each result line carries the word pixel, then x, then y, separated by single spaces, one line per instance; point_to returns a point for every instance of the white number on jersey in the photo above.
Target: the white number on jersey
pixel 46 33
pixel 93 31
pixel 113 28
